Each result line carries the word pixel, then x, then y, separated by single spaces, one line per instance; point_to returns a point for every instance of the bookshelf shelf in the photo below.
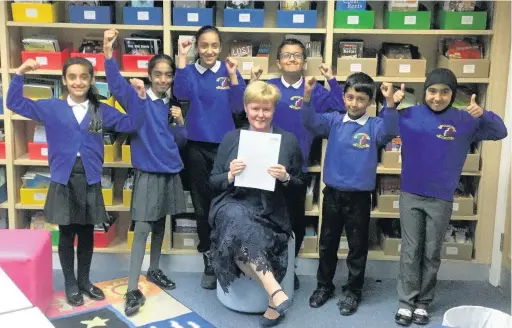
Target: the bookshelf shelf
pixel 120 27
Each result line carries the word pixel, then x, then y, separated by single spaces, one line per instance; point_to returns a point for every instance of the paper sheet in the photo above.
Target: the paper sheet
pixel 259 151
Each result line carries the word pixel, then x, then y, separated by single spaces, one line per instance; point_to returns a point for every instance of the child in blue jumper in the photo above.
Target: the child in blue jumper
pixel 157 188
pixel 436 139
pixel 292 61
pixel 75 155
pixel 214 90
pixel 349 175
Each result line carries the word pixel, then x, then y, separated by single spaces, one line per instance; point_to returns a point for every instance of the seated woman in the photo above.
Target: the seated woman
pixel 251 227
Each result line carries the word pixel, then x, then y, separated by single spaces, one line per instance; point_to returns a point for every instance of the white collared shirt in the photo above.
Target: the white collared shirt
pixel 361 121
pixel 154 97
pixel 202 69
pixel 80 110
pixel 296 85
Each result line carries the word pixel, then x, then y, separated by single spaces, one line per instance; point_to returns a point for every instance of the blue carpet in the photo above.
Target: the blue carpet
pixel 376 310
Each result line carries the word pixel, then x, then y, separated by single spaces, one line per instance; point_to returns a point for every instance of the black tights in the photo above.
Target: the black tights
pixel 84 252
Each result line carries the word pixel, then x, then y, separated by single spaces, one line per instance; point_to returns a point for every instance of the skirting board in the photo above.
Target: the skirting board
pixel 374 269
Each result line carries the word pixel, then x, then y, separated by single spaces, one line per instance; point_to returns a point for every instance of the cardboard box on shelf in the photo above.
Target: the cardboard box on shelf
pixel 478 68
pixel 349 65
pixel 343 248
pixel 309 244
pixel 388 203
pixel 457 251
pixel 463 205
pixel 185 240
pixel 391 159
pixel 403 67
pixel 392 246
pixel 245 64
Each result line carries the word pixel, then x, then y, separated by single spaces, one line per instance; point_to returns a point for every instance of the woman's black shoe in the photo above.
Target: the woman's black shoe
pixel 266 322
pixel 74 297
pixel 93 292
pixel 160 279
pixel 134 300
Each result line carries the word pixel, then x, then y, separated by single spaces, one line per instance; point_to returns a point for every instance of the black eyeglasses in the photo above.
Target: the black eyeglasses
pixel 289 55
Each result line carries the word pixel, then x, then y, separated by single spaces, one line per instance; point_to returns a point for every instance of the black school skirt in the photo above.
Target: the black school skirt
pixel 77 202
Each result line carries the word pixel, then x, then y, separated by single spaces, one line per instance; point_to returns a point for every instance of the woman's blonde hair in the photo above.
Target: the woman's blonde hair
pixel 261 91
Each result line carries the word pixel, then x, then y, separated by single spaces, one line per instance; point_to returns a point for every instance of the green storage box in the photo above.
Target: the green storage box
pixel 354 19
pixel 462 20
pixel 407 20
pixel 55 237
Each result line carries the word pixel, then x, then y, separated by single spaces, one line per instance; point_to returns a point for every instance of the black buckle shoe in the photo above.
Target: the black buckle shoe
pixel 134 300
pixel 403 317
pixel 74 298
pixel 93 292
pixel 348 306
pixel 420 317
pixel 160 279
pixel 296 282
pixel 320 296
pixel 209 280
pixel 266 322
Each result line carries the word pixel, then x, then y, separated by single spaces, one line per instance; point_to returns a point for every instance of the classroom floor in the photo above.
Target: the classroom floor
pixel 376 311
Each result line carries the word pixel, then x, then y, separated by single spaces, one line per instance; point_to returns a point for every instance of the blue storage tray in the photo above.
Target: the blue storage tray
pixel 243 17
pixel 297 18
pixel 142 16
pixel 193 16
pixel 90 14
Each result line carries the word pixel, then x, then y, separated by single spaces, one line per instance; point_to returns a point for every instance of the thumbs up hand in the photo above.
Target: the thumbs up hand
pixel 309 85
pixel 474 109
pixel 399 95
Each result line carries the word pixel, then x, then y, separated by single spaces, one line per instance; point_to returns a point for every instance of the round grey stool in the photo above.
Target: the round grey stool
pixel 246 295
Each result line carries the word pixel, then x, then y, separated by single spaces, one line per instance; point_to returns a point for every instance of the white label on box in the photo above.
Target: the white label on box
pixel 39 196
pixel 399 247
pixel 302 245
pixel 44 151
pixel 143 15
pixel 189 242
pixel 247 65
pixel 353 20
pixel 450 250
pixel 244 18
pixel 400 158
pixel 192 17
pixel 468 69
pixel 92 60
pixel 42 60
pixel 356 68
pixel 396 204
pixel 466 20
pixel 142 63
pixel 455 207
pixel 344 245
pixel 410 20
pixel 298 19
pixel 90 14
pixel 404 68
pixel 31 12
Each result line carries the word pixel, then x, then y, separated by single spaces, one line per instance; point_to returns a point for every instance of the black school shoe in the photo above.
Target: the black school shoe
pixel 134 300
pixel 320 296
pixel 93 292
pixel 403 317
pixel 348 306
pixel 74 296
pixel 209 280
pixel 160 279
pixel 420 317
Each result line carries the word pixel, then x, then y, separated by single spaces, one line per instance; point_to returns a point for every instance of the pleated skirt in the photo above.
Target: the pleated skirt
pixel 77 202
pixel 156 195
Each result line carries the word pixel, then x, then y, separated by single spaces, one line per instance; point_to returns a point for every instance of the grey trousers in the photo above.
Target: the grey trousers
pixel 423 221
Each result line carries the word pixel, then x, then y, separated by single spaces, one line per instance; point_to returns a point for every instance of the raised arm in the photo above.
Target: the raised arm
pixel 386 128
pixel 130 122
pixel 221 178
pixel 181 88
pixel 15 99
pixel 237 88
pixel 318 124
pixel 325 100
pixel 117 84
pixel 490 126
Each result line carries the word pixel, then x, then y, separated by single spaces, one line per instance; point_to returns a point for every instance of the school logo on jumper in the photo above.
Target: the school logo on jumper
pixel 223 83
pixel 362 140
pixel 447 132
pixel 296 102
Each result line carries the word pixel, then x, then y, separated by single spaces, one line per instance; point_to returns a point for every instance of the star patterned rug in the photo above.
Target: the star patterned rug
pixel 160 310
